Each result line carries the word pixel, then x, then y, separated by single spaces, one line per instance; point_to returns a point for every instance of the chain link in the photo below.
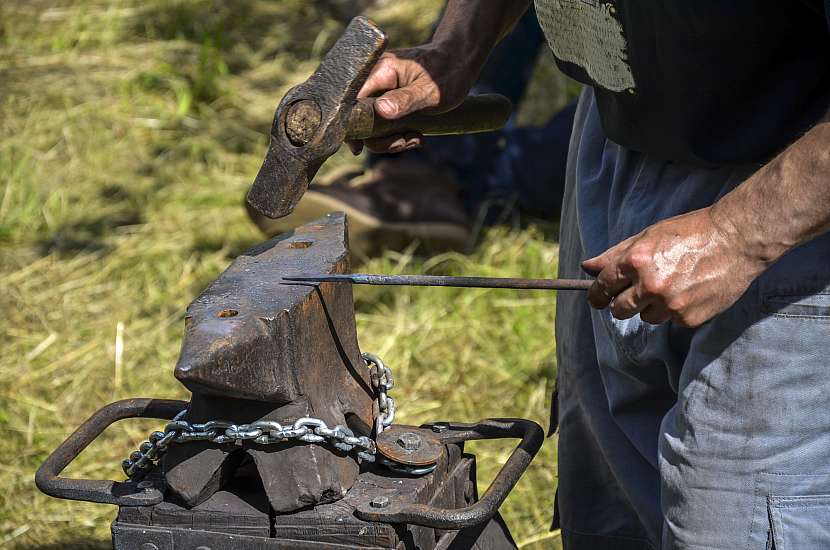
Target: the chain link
pixel 267 432
pixel 382 381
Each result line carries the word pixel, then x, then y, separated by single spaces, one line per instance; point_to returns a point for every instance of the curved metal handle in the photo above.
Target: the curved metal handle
pixel 104 491
pixel 531 435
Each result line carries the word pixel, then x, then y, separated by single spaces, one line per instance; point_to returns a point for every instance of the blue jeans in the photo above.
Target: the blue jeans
pixel 674 438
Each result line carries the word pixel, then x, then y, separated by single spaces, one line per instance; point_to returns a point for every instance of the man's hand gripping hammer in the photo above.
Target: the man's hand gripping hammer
pixel 316 117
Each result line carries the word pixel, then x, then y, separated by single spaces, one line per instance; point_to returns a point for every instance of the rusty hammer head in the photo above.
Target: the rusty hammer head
pixel 321 107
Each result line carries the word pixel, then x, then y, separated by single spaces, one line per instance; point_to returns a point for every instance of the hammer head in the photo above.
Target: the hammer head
pixel 323 104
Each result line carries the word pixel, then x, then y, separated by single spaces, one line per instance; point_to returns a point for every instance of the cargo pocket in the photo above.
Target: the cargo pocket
pixel 800 523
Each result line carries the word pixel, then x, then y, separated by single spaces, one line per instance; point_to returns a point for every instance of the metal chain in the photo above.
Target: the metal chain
pixel 382 381
pixel 266 432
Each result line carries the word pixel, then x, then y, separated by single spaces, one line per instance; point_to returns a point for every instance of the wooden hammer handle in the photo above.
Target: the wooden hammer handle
pixel 480 113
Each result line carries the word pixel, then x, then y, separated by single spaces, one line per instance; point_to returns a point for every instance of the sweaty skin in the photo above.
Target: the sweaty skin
pixel 686 269
pixel 691 267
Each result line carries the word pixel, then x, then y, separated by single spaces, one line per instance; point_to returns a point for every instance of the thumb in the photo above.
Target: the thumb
pixel 593 266
pixel 400 102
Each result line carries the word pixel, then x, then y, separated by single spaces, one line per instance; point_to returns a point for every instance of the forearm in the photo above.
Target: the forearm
pixel 471 28
pixel 784 204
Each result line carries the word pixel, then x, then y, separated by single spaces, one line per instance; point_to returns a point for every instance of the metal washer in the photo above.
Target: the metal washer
pixel 428 451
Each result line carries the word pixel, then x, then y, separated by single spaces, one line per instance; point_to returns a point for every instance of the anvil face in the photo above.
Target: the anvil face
pixel 260 348
pixel 248 332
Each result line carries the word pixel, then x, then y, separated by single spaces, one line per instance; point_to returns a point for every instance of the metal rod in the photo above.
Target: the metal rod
pixel 444 280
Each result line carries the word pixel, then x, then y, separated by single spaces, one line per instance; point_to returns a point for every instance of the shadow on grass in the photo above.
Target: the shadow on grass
pixel 88 234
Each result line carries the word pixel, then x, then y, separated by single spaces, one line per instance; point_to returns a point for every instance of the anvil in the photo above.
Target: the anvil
pixel 257 347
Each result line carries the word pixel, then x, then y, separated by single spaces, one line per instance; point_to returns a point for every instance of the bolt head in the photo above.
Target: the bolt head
pixel 409 441
pixel 439 428
pixel 145 485
pixel 149 546
pixel 379 502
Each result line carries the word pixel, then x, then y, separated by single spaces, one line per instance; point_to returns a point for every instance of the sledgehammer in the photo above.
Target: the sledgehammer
pixel 316 117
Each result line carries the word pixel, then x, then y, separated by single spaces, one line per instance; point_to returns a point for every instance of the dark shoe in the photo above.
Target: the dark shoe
pixel 396 202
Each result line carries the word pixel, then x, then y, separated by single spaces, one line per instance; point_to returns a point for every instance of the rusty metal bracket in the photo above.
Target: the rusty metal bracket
pixel 531 435
pixel 104 491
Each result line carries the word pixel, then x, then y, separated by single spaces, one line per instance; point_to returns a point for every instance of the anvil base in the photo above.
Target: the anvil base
pixel 239 518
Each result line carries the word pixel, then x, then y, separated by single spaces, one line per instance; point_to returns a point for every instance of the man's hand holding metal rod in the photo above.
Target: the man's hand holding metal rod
pixel 688 268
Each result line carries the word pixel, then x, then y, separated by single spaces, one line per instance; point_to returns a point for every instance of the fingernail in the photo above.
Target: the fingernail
pixel 386 107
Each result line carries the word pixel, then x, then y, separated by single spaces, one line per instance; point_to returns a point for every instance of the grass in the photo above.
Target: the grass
pixel 129 131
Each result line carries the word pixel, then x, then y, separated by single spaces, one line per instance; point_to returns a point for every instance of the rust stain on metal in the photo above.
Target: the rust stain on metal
pixel 410 446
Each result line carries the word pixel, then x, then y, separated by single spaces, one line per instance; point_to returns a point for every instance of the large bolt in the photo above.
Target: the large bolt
pixel 149 546
pixel 379 502
pixel 409 441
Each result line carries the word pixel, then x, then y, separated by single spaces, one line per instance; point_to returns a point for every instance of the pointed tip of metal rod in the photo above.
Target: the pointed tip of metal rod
pixel 306 278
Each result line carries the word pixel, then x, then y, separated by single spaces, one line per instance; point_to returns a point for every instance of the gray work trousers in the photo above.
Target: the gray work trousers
pixel 673 438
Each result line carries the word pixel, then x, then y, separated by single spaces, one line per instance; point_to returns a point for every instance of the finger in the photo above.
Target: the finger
pixel 628 303
pixel 413 141
pixel 388 144
pixel 382 77
pixel 395 144
pixel 655 314
pixel 594 265
pixel 610 281
pixel 355 146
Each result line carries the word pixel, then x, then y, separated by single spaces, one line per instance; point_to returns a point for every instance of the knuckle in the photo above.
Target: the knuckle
pixel 653 286
pixel 677 304
pixel 638 257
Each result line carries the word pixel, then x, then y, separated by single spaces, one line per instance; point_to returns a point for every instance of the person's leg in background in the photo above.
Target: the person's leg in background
pixel 437 193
